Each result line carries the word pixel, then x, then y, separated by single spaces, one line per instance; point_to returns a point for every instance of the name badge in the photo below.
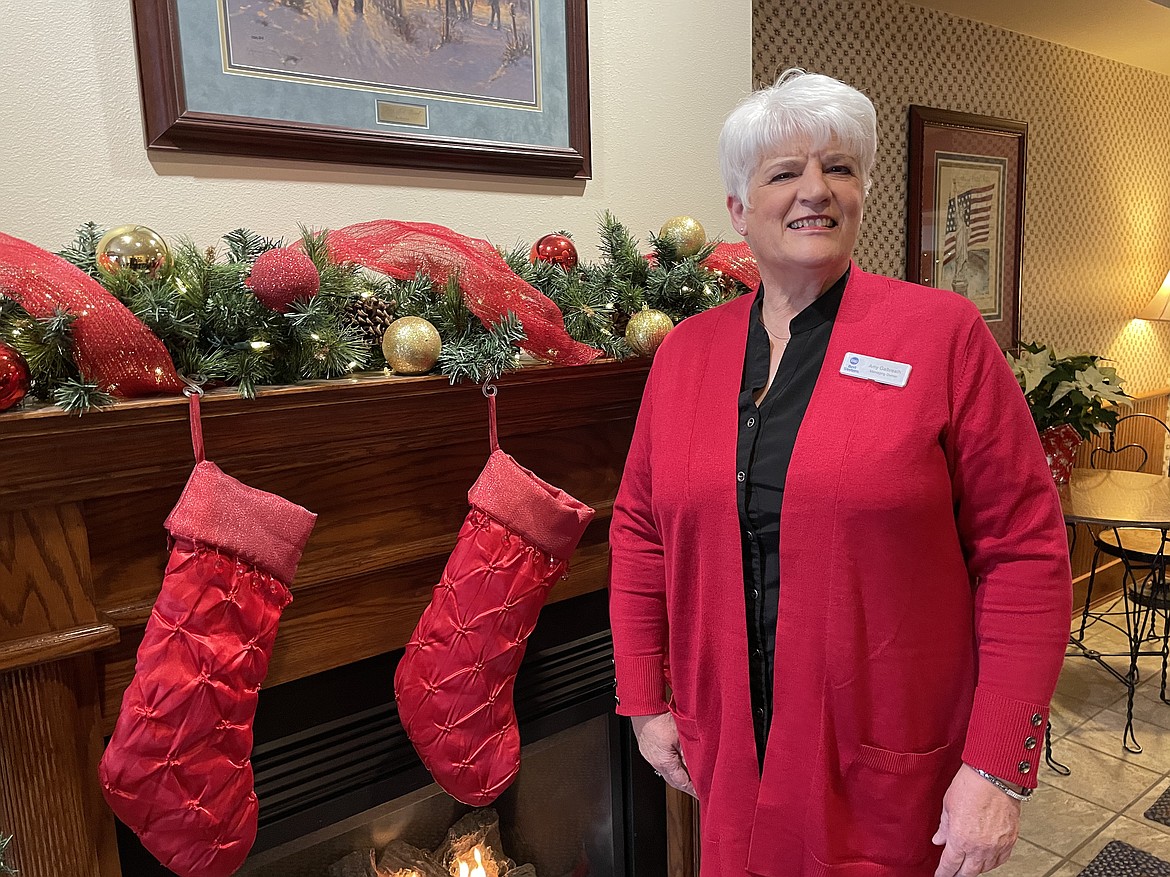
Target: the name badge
pixel 870 368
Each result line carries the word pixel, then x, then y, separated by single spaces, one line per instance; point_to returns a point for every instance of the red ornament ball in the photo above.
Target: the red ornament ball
pixel 555 248
pixel 280 277
pixel 14 378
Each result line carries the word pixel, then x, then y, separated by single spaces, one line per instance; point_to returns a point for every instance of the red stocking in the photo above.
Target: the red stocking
pixel 454 684
pixel 177 770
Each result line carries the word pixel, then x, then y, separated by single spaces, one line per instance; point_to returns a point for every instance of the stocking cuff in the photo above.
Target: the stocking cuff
pixel 544 515
pixel 259 527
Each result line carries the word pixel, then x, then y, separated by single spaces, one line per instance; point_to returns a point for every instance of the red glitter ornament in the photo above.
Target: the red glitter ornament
pixel 555 248
pixel 281 277
pixel 14 378
pixel 111 346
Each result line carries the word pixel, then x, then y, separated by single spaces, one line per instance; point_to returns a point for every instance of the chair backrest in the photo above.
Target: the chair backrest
pixel 1129 425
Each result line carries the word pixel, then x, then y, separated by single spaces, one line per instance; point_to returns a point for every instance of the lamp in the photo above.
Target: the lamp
pixel 1159 306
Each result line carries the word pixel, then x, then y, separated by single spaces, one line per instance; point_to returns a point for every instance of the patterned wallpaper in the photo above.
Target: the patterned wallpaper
pixel 1097 212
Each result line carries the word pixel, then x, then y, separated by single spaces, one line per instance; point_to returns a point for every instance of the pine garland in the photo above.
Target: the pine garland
pixel 47 347
pixel 217 331
pixel 215 328
pixel 82 252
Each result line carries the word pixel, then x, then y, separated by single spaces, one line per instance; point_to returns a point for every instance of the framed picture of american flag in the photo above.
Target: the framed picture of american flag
pixel 965 211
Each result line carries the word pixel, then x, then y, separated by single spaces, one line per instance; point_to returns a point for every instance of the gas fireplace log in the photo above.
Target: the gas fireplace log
pixel 478 828
pixel 400 856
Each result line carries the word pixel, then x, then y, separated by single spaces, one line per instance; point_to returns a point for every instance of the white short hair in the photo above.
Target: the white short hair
pixel 800 108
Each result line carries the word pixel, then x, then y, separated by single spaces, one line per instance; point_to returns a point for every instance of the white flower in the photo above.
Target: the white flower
pixel 1095 382
pixel 1031 368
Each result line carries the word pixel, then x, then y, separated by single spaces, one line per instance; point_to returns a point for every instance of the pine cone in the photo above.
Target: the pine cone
pixel 372 316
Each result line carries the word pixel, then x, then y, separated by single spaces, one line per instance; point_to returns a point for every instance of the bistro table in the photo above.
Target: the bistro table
pixel 1115 498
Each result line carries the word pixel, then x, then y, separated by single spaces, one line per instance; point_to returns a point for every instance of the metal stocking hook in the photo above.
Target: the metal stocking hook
pixel 490 390
pixel 194 391
pixel 194 385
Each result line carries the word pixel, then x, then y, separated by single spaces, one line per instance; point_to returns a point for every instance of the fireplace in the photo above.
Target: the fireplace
pixel 336 774
pixel 386 463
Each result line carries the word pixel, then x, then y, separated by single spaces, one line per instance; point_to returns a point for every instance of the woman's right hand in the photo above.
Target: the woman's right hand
pixel 658 743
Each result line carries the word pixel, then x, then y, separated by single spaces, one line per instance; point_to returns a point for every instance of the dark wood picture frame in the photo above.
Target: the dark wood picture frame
pixel 171 125
pixel 965 211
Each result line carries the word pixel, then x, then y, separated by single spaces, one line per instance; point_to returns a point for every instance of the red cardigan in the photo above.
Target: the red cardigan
pixel 925 595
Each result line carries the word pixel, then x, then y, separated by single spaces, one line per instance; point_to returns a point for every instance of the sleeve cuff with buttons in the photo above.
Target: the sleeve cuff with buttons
pixel 1005 737
pixel 641 685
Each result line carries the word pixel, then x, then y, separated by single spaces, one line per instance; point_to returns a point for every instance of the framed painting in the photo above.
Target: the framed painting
pixel 489 86
pixel 965 211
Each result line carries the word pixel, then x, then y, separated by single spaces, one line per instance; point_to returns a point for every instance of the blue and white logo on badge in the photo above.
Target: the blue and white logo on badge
pixel 881 371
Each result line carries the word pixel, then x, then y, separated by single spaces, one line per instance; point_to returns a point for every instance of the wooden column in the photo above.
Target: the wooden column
pixel 682 834
pixel 49 797
pixel 49 724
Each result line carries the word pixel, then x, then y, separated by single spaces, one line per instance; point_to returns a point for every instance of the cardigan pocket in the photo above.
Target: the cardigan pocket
pixel 894 801
pixel 698 764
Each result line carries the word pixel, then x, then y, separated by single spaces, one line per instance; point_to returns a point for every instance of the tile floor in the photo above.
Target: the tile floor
pixel 1104 797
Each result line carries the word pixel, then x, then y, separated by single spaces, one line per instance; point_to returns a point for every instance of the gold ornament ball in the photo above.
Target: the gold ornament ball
pixel 686 233
pixel 646 330
pixel 411 346
pixel 133 248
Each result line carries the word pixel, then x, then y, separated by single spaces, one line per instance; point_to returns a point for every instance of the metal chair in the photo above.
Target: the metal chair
pixel 1142 552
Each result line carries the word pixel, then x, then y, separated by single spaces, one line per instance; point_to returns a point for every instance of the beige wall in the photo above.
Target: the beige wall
pixel 1098 207
pixel 72 144
pixel 1097 223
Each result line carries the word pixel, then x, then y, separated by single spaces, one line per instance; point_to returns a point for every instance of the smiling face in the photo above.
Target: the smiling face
pixel 805 213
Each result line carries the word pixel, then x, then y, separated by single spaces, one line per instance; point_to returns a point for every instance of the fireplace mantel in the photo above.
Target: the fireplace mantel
pixel 385 462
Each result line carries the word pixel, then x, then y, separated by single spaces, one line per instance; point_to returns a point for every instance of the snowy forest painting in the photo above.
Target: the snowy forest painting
pixel 482 86
pixel 481 50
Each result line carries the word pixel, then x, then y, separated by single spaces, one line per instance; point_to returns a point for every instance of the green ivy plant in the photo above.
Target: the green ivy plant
pixel 1069 388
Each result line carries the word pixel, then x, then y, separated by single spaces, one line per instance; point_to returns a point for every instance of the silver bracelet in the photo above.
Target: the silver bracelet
pixel 1026 795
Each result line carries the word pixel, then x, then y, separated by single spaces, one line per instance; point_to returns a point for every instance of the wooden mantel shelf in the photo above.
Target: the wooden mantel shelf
pixel 385 462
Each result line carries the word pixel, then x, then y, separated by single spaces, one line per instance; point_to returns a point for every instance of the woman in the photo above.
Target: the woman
pixel 840 590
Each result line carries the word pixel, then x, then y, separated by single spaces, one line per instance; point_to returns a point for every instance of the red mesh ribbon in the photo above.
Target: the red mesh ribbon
pixel 491 288
pixel 735 260
pixel 177 769
pixel 111 346
pixel 454 683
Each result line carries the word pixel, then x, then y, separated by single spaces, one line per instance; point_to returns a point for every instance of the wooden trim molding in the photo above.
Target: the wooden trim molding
pixel 56 645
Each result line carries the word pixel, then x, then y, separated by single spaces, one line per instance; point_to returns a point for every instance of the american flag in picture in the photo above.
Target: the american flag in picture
pixel 973 209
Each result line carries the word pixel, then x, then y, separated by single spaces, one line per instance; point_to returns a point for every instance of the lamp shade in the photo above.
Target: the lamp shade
pixel 1159 306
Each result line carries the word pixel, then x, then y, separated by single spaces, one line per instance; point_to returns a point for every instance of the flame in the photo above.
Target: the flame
pixel 465 869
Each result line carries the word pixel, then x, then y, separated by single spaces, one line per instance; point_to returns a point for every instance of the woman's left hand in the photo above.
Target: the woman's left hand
pixel 978 829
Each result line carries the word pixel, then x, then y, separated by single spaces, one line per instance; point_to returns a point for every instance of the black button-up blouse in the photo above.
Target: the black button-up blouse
pixel 767 434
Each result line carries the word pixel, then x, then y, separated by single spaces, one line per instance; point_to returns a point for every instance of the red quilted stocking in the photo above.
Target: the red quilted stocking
pixel 177 770
pixel 454 684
